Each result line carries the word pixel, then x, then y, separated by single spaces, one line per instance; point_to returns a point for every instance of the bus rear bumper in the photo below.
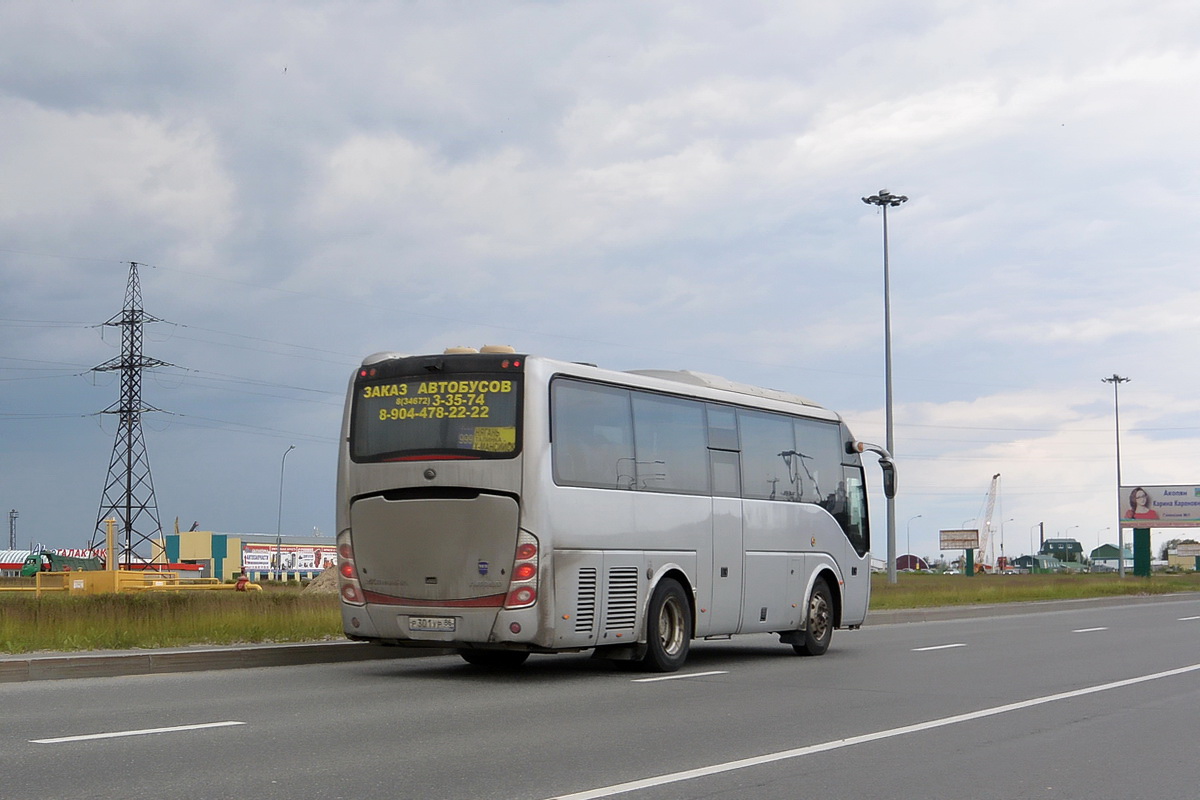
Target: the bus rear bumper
pixel 444 627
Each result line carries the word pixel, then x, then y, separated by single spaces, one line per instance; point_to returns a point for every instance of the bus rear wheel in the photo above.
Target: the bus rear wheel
pixel 668 628
pixel 494 659
pixel 819 628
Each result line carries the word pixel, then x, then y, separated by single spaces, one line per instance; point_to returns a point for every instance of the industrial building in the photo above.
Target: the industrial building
pixel 225 556
pixel 260 556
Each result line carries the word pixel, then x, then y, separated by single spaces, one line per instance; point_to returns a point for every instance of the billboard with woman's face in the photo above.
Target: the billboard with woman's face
pixel 1160 506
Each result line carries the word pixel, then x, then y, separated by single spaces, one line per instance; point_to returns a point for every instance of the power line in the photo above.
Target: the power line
pixel 243 427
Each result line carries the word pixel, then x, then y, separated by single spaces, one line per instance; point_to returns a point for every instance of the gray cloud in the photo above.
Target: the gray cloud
pixel 665 184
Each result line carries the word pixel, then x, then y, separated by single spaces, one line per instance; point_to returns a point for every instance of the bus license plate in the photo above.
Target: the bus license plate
pixel 444 624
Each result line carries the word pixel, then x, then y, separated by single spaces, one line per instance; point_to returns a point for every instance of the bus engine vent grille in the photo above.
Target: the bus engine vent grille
pixel 621 608
pixel 585 604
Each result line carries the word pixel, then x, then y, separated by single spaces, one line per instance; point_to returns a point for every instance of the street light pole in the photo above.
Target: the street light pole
pixel 1099 534
pixel 1116 380
pixel 1068 530
pixel 279 518
pixel 908 538
pixel 884 200
pixel 1010 519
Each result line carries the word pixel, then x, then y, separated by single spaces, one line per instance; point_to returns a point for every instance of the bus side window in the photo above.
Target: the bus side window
pixel 593 435
pixel 726 475
pixel 820 467
pixel 669 436
pixel 722 427
pixel 770 467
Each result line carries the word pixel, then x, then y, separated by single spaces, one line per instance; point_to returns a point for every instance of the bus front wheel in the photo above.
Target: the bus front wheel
pixel 668 628
pixel 819 629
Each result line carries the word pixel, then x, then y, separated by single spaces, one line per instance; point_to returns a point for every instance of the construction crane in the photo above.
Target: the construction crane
pixel 986 560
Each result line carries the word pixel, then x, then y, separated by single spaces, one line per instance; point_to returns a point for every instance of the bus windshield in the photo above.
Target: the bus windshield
pixel 457 415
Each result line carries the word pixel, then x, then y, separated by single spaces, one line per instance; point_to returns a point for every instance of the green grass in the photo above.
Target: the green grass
pixel 284 614
pixel 922 590
pixel 164 619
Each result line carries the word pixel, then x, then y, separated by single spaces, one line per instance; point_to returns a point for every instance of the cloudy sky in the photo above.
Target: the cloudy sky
pixel 635 184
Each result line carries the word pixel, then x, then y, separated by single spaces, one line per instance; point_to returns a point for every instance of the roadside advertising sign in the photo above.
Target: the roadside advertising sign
pixel 1160 506
pixel 959 539
pixel 294 557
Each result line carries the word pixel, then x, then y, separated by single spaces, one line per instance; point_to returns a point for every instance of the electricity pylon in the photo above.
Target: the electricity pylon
pixel 129 490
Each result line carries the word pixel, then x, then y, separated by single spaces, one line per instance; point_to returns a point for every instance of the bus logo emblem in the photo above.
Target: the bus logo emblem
pixel 483 568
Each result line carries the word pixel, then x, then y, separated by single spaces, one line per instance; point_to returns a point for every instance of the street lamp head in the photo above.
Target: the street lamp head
pixel 885 198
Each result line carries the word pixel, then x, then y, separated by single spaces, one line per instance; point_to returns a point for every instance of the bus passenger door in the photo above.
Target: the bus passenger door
pixel 724 611
pixel 856 568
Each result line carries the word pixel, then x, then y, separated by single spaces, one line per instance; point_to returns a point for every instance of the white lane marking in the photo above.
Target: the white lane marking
pixel 680 677
pixel 1188 619
pixel 837 744
pixel 1088 630
pixel 118 734
pixel 938 647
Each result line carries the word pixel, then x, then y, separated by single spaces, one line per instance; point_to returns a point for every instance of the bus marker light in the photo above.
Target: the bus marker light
pixel 515 627
pixel 354 621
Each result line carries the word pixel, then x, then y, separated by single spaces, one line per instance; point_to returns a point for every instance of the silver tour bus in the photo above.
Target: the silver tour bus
pixel 503 504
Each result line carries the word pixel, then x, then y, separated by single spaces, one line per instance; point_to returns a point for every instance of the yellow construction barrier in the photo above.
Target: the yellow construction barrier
pixel 125 580
pixel 112 580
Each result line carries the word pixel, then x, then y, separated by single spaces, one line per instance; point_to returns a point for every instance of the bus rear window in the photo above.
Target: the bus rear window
pixel 463 415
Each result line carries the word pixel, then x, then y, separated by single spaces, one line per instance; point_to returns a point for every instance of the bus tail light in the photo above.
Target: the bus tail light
pixel 523 586
pixel 348 586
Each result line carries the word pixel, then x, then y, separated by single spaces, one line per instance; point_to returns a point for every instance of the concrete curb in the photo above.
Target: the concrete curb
pixel 59 666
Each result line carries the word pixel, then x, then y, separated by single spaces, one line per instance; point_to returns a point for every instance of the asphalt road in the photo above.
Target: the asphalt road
pixel 1093 701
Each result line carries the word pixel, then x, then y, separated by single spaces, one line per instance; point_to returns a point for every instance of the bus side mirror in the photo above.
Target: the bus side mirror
pixel 886 465
pixel 889 477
